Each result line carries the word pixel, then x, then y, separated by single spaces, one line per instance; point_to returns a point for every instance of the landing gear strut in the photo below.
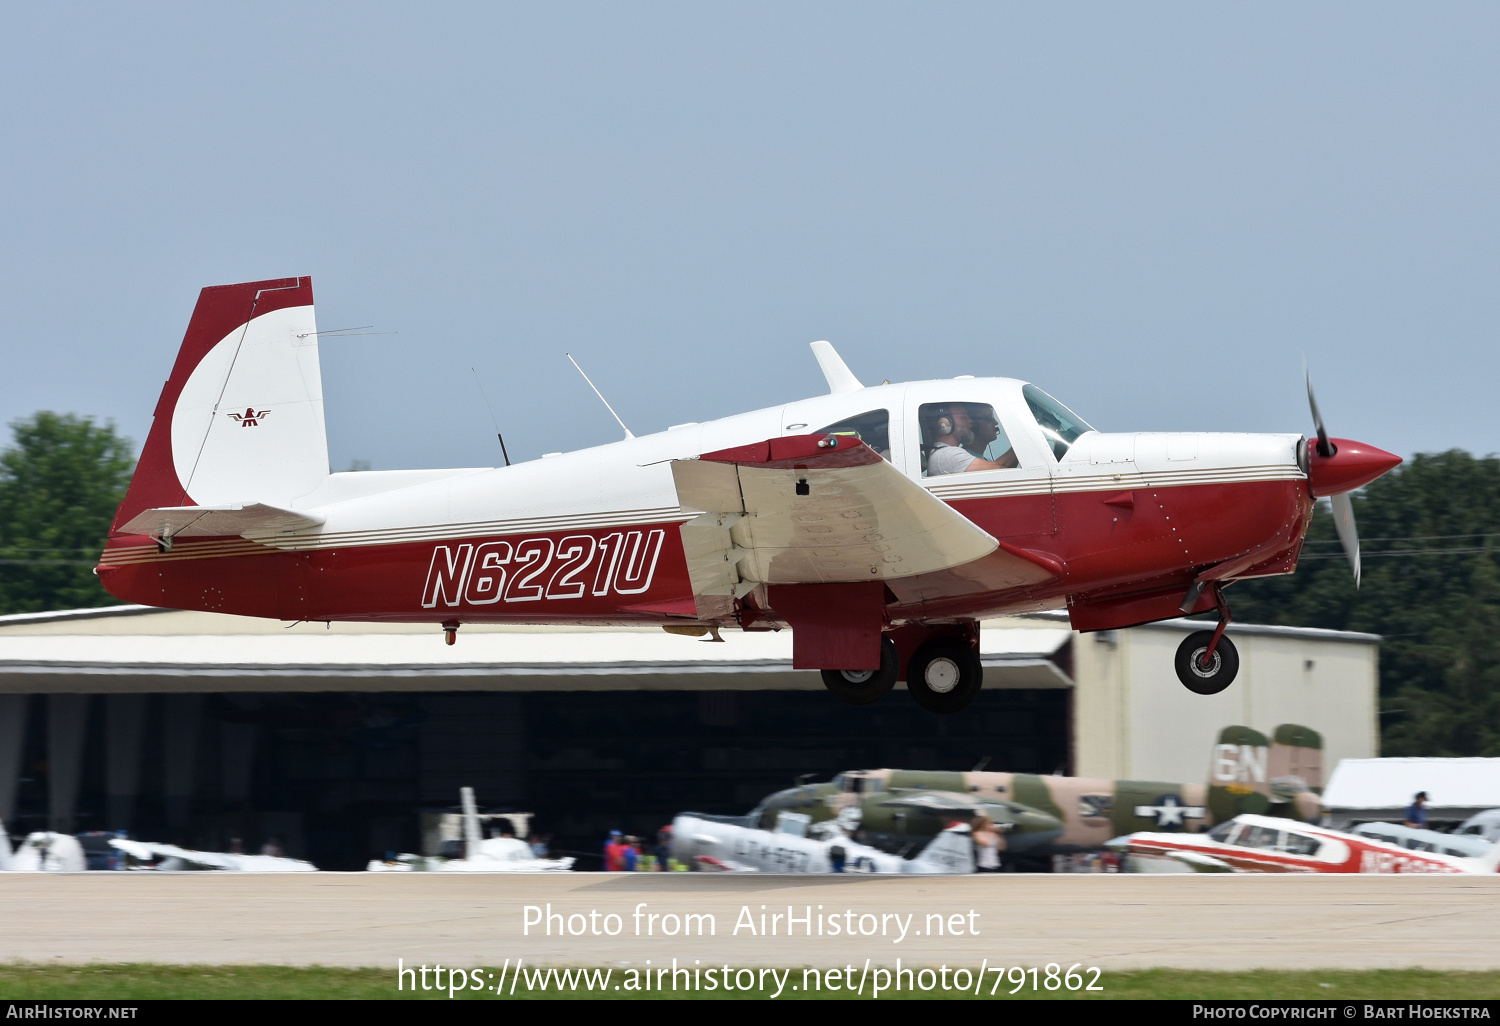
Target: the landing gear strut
pixel 1207 661
pixel 861 687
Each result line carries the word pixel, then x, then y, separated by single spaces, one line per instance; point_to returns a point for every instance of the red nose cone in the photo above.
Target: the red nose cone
pixel 1353 465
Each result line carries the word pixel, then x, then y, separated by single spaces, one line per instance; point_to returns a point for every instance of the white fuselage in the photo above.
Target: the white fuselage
pixel 767 851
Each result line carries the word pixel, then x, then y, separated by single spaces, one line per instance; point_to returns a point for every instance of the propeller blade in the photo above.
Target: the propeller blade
pixel 1343 522
pixel 1325 448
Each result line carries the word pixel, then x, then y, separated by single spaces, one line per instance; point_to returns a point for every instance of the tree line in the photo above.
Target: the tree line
pixel 1431 582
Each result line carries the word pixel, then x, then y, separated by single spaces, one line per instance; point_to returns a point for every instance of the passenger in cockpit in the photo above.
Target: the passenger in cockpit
pixel 960 431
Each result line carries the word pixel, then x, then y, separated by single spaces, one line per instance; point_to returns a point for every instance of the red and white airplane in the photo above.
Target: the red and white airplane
pixel 879 523
pixel 1266 844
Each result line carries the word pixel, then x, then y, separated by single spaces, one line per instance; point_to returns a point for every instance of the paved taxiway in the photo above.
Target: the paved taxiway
pixel 1114 922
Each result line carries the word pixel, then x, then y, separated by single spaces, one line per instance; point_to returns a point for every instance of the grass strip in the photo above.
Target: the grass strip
pixel 22 981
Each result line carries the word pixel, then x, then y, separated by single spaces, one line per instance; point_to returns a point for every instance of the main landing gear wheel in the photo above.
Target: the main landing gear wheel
pixel 1206 678
pixel 944 675
pixel 861 687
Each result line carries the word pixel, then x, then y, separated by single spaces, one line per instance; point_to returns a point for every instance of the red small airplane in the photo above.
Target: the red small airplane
pixel 880 524
pixel 1265 844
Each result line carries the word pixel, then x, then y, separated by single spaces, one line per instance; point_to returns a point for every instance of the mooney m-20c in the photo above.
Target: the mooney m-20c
pixel 880 524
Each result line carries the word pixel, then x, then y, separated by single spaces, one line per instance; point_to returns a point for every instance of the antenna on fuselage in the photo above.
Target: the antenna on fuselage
pixel 600 394
pixel 493 421
pixel 835 371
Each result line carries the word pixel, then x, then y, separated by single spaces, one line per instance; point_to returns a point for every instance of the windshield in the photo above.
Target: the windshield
pixel 1221 832
pixel 1061 425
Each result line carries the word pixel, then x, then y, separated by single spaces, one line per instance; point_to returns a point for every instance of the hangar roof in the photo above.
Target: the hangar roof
pixel 142 648
pixel 1391 783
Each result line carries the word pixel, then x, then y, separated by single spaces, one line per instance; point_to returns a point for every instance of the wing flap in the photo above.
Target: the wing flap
pixel 814 509
pixel 249 520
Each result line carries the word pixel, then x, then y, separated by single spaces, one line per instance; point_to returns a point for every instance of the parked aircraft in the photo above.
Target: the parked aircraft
pixel 481 854
pixel 720 843
pixel 43 851
pixel 169 858
pixel 1263 844
pixel 880 524
pixel 1484 824
pixel 1247 773
pixel 901 819
pixel 1416 839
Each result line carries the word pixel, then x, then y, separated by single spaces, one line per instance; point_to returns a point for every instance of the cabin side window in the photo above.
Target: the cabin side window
pixel 960 438
pixel 1301 844
pixel 1260 837
pixel 872 428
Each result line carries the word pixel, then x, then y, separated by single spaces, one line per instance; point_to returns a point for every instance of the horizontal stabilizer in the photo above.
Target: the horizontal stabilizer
pixel 814 509
pixel 247 520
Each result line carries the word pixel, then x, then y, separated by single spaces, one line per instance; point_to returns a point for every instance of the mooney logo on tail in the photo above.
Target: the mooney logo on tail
pixel 251 417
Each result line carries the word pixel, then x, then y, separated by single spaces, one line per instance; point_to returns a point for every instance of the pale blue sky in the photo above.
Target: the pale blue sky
pixel 1152 210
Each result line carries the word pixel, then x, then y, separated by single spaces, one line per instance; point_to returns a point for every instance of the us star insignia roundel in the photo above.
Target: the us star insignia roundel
pixel 1170 812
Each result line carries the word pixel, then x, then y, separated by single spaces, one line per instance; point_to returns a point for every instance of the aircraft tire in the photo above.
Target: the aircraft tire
pixel 861 687
pixel 1215 678
pixel 944 675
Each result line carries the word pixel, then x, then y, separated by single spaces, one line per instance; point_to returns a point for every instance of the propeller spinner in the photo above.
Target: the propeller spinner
pixel 1338 466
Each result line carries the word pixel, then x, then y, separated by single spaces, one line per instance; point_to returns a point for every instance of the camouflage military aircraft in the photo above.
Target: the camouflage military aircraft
pixel 895 809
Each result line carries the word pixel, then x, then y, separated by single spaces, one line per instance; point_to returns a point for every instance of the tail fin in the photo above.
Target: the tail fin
pixel 1297 751
pixel 472 835
pixel 1239 774
pixel 241 417
pixel 951 851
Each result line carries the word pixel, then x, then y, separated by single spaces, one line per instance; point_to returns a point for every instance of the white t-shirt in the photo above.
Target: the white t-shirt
pixel 988 854
pixel 948 459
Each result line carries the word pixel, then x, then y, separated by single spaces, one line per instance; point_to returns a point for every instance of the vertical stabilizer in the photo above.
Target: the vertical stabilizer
pixel 472 836
pixel 1239 777
pixel 241 416
pixel 951 851
pixel 1297 751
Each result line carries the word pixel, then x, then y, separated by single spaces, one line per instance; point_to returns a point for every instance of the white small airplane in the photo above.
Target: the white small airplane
pixel 169 858
pixel 1420 839
pixel 43 851
pixel 722 844
pixel 1264 844
pixel 880 523
pixel 482 854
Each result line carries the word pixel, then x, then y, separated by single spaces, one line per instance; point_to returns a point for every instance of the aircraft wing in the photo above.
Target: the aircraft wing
pixel 249 520
pixel 940 801
pixel 1201 863
pixel 147 850
pixel 813 509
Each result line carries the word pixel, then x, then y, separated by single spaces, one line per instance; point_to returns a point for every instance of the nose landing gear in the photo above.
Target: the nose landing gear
pixel 1207 661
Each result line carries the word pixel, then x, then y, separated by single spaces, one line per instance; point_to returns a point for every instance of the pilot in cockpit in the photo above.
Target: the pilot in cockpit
pixel 959 432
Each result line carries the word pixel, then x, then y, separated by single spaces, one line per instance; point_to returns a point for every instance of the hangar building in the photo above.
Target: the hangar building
pixel 201 727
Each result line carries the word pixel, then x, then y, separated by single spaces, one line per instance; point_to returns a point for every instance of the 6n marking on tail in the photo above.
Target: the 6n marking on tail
pixel 1240 764
pixel 531 569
